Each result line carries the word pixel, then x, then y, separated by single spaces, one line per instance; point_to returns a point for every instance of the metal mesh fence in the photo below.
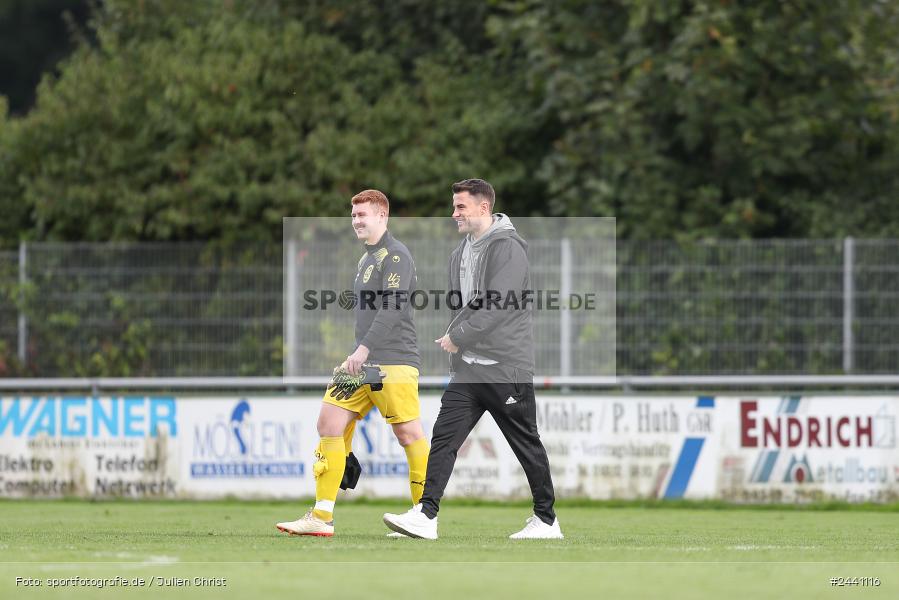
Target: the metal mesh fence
pixel 152 309
pixel 722 307
pixel 730 307
pixel 9 269
pixel 875 322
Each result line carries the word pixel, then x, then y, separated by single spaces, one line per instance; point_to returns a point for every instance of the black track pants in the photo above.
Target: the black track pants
pixel 473 390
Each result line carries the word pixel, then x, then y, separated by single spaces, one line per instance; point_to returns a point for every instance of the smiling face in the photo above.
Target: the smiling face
pixel 471 213
pixel 369 221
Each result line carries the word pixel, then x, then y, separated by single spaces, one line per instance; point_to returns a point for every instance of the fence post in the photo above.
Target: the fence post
pixel 565 318
pixel 23 320
pixel 290 311
pixel 848 302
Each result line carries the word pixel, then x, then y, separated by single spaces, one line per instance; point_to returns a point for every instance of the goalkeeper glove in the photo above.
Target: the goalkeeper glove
pixel 345 384
pixel 351 473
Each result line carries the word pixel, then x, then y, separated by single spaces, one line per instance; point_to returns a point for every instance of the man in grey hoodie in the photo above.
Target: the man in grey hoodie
pixel 491 349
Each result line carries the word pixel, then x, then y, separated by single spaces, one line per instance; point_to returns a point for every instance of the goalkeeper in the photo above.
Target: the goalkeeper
pixel 386 354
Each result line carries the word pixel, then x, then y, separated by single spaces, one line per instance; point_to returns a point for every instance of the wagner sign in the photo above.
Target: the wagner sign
pixel 71 445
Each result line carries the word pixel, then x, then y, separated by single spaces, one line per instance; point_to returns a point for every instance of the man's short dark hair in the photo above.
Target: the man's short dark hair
pixel 476 187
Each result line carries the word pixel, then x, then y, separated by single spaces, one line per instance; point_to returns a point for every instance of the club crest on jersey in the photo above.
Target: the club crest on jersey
pixel 367 275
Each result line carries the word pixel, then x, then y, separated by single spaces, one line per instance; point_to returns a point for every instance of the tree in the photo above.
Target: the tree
pixel 716 118
pixel 208 125
pixel 707 118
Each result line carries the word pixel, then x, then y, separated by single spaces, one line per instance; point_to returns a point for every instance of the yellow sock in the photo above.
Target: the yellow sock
pixel 328 472
pixel 417 455
pixel 348 437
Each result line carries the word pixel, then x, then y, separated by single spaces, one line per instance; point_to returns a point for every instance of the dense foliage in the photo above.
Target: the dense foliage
pixel 211 120
pixel 208 120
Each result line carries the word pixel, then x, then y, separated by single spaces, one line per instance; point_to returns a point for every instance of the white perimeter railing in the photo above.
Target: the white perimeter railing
pixel 291 384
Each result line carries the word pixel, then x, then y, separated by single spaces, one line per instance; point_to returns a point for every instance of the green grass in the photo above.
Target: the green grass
pixel 609 552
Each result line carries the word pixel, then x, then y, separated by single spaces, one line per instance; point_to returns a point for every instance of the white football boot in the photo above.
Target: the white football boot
pixel 397 535
pixel 538 530
pixel 413 523
pixel 308 524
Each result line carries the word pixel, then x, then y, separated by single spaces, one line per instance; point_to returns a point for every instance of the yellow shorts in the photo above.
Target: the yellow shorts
pixel 397 401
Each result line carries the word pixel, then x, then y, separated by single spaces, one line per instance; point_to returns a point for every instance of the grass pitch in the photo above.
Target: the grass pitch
pixel 609 552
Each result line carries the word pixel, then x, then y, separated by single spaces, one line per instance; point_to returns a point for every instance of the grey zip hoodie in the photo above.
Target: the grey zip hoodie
pixel 498 263
pixel 473 250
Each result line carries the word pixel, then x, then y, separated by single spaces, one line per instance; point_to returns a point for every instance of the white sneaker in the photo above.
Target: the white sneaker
pixel 413 523
pixel 308 524
pixel 538 530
